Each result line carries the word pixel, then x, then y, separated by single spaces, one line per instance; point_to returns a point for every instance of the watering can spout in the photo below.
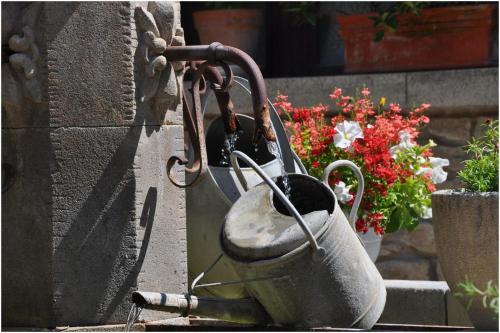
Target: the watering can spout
pixel 216 54
pixel 244 311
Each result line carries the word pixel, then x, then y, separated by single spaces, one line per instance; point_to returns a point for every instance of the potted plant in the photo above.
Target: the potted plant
pixel 466 224
pixel 235 24
pixel 399 174
pixel 438 37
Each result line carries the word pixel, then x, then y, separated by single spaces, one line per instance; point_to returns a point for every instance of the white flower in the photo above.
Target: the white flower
pixel 427 214
pixel 438 175
pixel 404 143
pixel 346 133
pixel 342 192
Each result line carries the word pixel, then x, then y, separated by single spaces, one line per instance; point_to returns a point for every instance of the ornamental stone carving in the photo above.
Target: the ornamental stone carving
pixel 20 78
pixel 158 82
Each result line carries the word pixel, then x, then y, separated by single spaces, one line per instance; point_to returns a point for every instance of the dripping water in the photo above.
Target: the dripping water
pixel 273 149
pixel 133 315
pixel 228 148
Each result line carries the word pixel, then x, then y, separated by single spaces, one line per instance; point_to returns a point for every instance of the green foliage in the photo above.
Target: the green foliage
pixel 302 11
pixel 489 295
pixel 388 20
pixel 409 199
pixel 480 173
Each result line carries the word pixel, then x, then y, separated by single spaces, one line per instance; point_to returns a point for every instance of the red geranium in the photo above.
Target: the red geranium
pixel 381 141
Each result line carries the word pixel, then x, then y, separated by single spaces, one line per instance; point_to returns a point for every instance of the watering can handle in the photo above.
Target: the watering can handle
pixel 318 251
pixel 361 185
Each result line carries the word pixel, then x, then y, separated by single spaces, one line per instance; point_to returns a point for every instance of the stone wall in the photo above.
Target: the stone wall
pixel 461 101
pixel 88 214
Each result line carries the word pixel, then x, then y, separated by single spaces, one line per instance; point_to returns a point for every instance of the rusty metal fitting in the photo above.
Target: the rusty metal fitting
pixel 218 53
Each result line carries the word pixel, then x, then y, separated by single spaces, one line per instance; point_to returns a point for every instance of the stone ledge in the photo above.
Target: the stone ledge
pixel 422 303
pixel 463 92
pixel 410 303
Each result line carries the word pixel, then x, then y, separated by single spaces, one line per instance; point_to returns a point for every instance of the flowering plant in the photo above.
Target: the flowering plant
pixel 399 174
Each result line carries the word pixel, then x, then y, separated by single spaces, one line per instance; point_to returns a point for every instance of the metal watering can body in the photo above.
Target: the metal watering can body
pixel 209 200
pixel 307 274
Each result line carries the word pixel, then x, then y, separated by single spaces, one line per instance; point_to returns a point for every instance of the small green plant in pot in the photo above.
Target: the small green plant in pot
pixel 489 296
pixel 466 226
pixel 480 173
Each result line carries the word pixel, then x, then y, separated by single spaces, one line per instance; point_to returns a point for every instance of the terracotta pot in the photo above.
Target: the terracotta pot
pixel 447 37
pixel 233 27
pixel 466 233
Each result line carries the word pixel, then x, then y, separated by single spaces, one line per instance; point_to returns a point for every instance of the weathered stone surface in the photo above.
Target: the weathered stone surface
pixel 415 249
pixel 110 41
pixel 160 215
pixel 457 315
pixel 415 302
pixel 26 229
pixel 472 90
pixel 406 269
pixel 466 227
pixel 95 260
pixel 92 215
pixel 23 76
pixel 314 90
pixel 448 131
pixel 390 250
pixel 419 242
pixel 452 93
pixel 122 187
pixel 422 240
pixel 91 85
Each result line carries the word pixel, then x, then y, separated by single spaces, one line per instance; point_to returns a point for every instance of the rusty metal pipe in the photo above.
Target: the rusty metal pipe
pixel 231 123
pixel 247 311
pixel 216 52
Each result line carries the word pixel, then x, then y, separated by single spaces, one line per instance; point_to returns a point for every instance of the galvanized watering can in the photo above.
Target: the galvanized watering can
pixel 209 200
pixel 299 257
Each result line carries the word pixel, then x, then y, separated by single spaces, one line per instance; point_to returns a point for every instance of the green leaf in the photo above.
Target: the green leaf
pixel 392 22
pixel 378 36
pixel 398 216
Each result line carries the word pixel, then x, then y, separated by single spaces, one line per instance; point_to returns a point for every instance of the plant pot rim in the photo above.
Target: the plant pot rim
pixel 463 192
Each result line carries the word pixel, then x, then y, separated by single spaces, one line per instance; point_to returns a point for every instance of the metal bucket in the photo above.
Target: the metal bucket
pixel 210 199
pixel 323 279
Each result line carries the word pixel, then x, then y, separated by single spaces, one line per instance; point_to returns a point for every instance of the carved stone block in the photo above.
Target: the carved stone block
pixel 88 213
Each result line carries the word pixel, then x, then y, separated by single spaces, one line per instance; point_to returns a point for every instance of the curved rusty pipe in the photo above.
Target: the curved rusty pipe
pixel 217 52
pixel 231 123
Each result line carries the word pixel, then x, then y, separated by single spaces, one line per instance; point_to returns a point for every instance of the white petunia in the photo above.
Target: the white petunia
pixel 427 214
pixel 342 192
pixel 404 143
pixel 438 175
pixel 346 133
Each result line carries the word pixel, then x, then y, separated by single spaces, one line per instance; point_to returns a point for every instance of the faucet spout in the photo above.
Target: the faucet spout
pixel 216 53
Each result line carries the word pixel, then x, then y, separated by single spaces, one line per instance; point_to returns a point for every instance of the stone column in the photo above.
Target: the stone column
pixel 91 112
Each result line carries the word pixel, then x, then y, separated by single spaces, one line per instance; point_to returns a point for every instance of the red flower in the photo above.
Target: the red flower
pixel 311 136
pixel 361 226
